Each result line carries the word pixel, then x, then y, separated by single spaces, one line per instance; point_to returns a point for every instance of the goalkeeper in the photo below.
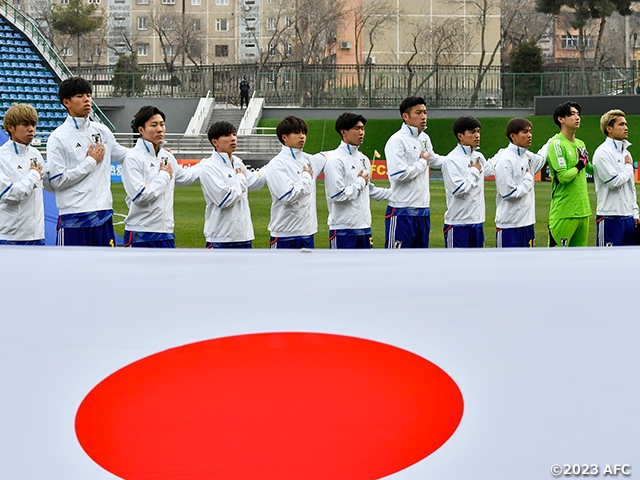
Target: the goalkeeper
pixel 568 163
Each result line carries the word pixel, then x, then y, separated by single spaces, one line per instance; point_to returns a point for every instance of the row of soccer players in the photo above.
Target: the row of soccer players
pixel 79 175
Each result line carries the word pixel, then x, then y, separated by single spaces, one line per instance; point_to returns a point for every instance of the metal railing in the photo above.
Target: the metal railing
pixel 28 27
pixel 198 146
pixel 372 86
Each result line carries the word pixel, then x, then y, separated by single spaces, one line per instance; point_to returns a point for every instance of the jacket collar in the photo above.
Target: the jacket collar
pixel 148 147
pixel 292 152
pixel 19 148
pixel 79 123
pixel 223 157
pixel 619 145
pixel 467 150
pixel 520 151
pixel 411 131
pixel 350 149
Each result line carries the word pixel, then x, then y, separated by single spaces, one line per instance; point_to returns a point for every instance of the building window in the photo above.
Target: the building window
pixel 271 23
pixel 142 2
pixel 143 49
pixel 64 2
pixel 222 50
pixel 143 23
pixel 222 25
pixel 168 2
pixel 94 1
pixel 66 52
pixel 572 42
pixel 197 24
pixel 196 2
pixel 168 23
pixel 167 51
pixel 270 1
pixel 222 2
pixel 287 22
pixel 289 49
pixel 272 50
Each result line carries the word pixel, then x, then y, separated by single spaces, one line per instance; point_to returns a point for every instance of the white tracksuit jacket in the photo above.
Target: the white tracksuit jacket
pixel 21 203
pixel 347 194
pixel 80 183
pixel 227 216
pixel 293 192
pixel 615 185
pixel 150 190
pixel 515 197
pixel 464 186
pixel 408 173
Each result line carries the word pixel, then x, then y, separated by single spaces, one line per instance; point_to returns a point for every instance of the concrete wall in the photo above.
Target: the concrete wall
pixel 590 104
pixel 121 110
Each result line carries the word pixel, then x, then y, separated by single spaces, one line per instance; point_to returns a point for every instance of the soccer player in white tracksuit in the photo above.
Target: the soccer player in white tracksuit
pixel 409 154
pixel 291 177
pixel 463 172
pixel 21 171
pixel 617 206
pixel 79 154
pixel 225 183
pixel 348 187
pixel 149 175
pixel 515 167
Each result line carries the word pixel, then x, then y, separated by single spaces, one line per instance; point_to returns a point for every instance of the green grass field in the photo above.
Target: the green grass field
pixel 189 215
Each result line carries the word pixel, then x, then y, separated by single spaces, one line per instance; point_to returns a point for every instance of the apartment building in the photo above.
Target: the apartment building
pixel 239 31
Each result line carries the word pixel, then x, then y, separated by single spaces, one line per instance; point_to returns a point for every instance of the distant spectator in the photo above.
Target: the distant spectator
pixel 244 92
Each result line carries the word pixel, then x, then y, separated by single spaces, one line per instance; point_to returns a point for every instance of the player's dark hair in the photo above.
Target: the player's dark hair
pixel 410 102
pixel 220 129
pixel 516 125
pixel 463 124
pixel 143 116
pixel 290 124
pixel 73 86
pixel 564 110
pixel 348 120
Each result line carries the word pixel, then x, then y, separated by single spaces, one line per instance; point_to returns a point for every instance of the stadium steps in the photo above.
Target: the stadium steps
pixel 221 113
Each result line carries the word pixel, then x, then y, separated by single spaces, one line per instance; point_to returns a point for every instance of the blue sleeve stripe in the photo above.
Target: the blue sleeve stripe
pixel 459 187
pixel 397 173
pixel 286 194
pixel 139 193
pixel 6 190
pixel 225 199
pixel 339 193
pixel 55 176
pixel 510 193
pixel 615 176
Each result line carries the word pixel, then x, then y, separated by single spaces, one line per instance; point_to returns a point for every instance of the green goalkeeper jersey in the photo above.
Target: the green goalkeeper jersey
pixel 569 195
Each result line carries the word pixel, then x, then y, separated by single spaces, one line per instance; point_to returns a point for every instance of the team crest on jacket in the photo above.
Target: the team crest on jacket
pixel 96 137
pixel 562 162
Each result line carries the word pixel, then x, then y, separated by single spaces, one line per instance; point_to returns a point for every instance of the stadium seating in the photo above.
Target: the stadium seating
pixel 26 78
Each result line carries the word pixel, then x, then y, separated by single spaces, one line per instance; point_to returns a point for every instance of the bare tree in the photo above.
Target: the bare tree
pixel 528 24
pixel 371 18
pixel 315 26
pixel 482 12
pixel 179 36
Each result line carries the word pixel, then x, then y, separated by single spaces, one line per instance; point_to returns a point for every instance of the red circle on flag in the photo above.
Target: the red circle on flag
pixel 270 406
